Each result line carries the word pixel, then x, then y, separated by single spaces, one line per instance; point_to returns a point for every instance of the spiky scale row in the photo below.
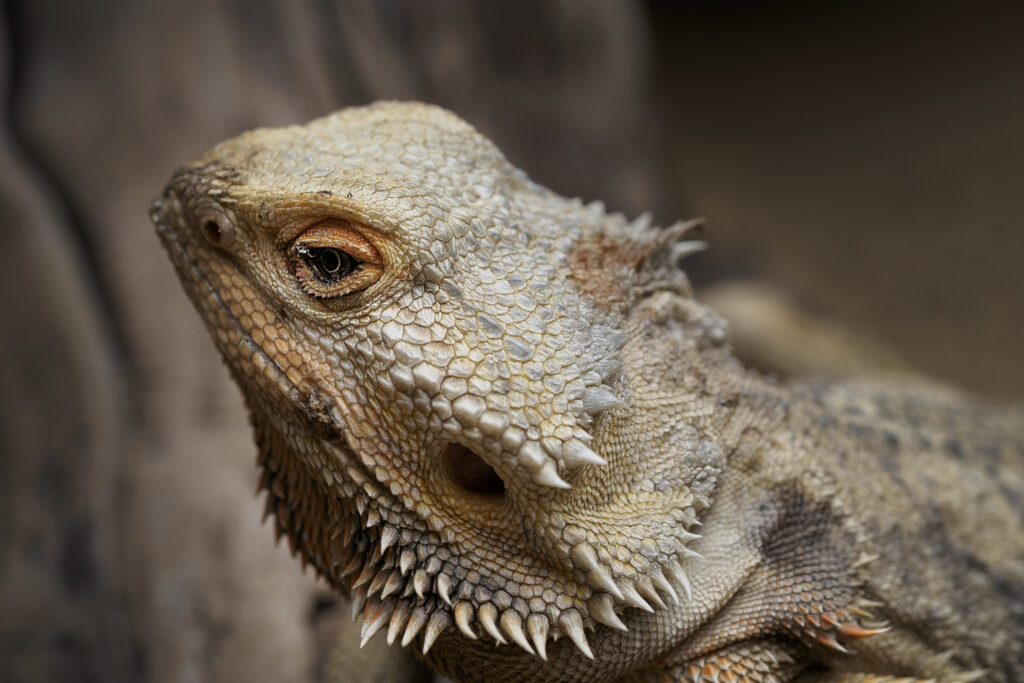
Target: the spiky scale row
pixel 529 633
pixel 382 576
pixel 399 616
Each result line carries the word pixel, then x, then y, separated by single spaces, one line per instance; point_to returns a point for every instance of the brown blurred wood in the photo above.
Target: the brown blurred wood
pixel 867 156
pixel 131 544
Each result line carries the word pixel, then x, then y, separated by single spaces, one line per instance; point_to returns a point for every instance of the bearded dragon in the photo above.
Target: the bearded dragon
pixel 498 421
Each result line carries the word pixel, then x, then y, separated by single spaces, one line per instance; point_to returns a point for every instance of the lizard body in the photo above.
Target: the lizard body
pixel 498 420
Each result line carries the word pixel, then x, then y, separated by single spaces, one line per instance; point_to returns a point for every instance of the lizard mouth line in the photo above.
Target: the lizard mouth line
pixel 181 257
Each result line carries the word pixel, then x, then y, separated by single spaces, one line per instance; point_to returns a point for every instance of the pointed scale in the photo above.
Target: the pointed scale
pixel 444 587
pixel 439 621
pixel 585 559
pixel 464 619
pixel 416 622
pixel 537 625
pixel 398 620
pixel 601 607
pixel 547 475
pixel 374 618
pixel 662 584
pixel 512 624
pixel 675 573
pixel 487 613
pixel 571 624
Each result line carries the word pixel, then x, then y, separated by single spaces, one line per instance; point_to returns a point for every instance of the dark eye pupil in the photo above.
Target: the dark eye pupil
pixel 330 261
pixel 331 264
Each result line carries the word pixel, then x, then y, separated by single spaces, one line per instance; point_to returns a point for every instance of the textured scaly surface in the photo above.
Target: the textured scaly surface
pixel 498 420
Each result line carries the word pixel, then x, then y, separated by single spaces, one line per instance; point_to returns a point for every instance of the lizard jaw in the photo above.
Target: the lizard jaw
pixel 424 582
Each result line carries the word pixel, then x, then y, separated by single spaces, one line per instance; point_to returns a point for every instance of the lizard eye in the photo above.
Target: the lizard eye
pixel 328 264
pixel 331 258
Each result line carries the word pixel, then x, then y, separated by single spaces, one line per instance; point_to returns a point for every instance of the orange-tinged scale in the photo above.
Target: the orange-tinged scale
pixel 854 631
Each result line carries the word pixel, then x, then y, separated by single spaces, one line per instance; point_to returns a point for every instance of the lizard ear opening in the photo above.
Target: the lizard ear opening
pixel 470 473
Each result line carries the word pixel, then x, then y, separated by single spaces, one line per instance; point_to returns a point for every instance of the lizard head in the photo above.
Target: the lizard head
pixel 443 375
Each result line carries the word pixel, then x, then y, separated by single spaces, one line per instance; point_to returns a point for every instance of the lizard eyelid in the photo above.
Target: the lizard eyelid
pixel 331 258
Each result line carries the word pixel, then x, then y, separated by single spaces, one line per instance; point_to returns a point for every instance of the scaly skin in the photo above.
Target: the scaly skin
pixel 490 414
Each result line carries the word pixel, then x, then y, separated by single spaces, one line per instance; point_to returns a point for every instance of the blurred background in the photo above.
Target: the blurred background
pixel 862 164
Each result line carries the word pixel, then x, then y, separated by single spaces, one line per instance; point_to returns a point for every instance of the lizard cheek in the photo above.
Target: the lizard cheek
pixel 469 472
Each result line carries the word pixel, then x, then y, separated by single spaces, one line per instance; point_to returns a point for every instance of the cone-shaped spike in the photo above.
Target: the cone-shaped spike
pixel 676 573
pixel 406 560
pixel 464 619
pixel 420 581
pixel 572 625
pixel 376 616
pixel 607 367
pixel 854 631
pixel 585 559
pixel 394 584
pixel 632 598
pixel 416 622
pixel 662 584
pixel 388 535
pixel 444 587
pixel 353 564
pixel 681 250
pixel 398 620
pixel 512 624
pixel 378 582
pixel 642 222
pixel 645 587
pixel 358 601
pixel 601 609
pixel 369 571
pixel 537 626
pixel 487 613
pixel 576 453
pixel 829 640
pixel 547 475
pixel 439 621
pixel 596 400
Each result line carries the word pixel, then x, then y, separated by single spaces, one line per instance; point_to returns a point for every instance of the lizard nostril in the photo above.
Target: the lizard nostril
pixel 469 471
pixel 218 233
